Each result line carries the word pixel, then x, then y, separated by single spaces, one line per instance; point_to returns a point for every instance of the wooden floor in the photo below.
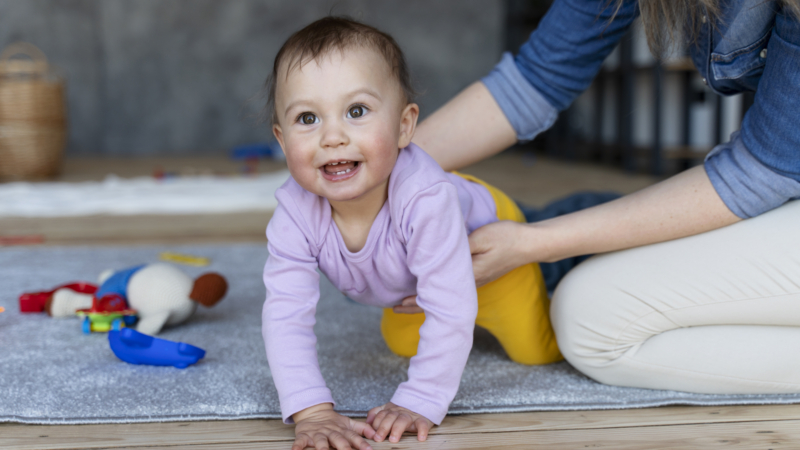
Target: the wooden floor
pixel 530 180
pixel 736 427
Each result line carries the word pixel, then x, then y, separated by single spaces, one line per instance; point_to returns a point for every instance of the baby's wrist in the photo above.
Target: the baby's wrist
pixel 305 413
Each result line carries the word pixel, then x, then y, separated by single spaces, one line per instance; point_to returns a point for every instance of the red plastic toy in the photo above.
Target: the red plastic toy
pixel 34 302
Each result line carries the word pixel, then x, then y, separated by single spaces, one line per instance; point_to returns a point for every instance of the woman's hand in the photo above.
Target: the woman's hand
pixel 396 419
pixel 408 306
pixel 321 427
pixel 497 249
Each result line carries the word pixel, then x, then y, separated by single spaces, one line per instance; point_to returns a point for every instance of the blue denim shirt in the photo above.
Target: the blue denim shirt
pixel 753 46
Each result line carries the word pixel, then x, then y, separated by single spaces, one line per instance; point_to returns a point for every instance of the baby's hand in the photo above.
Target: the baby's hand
pixel 319 425
pixel 397 419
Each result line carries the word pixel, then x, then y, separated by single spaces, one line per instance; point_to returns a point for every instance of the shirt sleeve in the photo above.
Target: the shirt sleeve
pixel 747 186
pixel 759 169
pixel 558 62
pixel 288 317
pixel 438 255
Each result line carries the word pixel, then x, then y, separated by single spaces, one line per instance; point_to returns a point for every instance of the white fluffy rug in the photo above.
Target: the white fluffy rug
pixel 145 195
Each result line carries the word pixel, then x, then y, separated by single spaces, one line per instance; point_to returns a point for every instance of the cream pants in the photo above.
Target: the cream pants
pixel 713 313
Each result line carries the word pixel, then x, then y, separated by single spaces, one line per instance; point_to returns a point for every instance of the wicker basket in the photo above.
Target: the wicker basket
pixel 33 125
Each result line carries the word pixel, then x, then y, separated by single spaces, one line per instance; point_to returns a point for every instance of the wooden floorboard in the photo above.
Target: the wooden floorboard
pixel 755 436
pixel 515 425
pixel 760 435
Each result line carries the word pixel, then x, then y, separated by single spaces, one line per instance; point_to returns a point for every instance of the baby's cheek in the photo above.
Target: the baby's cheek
pixel 302 170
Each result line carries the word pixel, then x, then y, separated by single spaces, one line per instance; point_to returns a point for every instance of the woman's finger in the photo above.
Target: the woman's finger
pixel 408 306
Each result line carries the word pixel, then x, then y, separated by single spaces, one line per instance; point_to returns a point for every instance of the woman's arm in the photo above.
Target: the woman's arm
pixel 471 122
pixel 522 95
pixel 683 205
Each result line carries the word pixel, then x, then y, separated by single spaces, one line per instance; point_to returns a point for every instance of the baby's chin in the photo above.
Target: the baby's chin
pixel 344 195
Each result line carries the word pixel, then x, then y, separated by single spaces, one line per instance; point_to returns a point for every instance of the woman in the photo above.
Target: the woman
pixel 699 289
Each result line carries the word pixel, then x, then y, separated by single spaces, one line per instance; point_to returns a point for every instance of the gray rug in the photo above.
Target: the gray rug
pixel 51 373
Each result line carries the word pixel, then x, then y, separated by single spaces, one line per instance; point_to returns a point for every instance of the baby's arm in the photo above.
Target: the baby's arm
pixel 438 255
pixel 292 284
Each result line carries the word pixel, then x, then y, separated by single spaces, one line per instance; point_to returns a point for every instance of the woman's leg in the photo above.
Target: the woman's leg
pixel 713 313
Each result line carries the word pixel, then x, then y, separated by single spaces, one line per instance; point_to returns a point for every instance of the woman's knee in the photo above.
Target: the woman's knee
pixel 590 317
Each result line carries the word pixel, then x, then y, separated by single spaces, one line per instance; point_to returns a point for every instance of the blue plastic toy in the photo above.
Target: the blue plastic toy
pixel 259 150
pixel 137 348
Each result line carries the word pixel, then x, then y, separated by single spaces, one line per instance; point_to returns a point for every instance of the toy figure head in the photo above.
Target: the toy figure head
pixel 341 97
pixel 209 289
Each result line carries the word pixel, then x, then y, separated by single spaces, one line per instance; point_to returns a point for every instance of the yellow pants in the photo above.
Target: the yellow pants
pixel 514 308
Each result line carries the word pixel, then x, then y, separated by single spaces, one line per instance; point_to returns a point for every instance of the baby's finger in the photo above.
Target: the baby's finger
pixel 372 413
pixel 423 427
pixel 339 441
pixel 321 442
pixel 362 428
pixel 376 421
pixel 301 442
pixel 385 426
pixel 400 425
pixel 356 440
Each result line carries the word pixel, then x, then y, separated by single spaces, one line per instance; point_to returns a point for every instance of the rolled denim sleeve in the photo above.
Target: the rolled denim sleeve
pixel 558 62
pixel 760 168
pixel 746 186
pixel 524 107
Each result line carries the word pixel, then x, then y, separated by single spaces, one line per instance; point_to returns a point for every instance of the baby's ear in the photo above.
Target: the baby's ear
pixel 408 124
pixel 209 289
pixel 278 132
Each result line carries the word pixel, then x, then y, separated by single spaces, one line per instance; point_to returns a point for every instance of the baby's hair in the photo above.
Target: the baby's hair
pixel 336 33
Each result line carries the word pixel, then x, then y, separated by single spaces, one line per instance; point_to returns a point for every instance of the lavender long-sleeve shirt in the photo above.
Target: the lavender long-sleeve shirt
pixel 417 245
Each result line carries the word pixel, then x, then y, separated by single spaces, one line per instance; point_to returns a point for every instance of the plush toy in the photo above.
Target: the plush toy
pixel 160 293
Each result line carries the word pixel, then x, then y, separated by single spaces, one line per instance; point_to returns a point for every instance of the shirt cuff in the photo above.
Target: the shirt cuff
pixel 747 186
pixel 304 400
pixel 424 407
pixel 525 108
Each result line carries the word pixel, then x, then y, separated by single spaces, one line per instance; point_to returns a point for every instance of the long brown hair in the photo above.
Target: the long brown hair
pixel 669 21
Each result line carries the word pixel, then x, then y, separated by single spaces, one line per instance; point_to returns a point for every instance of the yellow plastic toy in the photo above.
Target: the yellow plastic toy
pixel 189 260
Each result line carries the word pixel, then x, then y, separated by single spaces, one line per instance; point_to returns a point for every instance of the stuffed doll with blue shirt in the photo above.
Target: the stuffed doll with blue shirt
pixel 160 293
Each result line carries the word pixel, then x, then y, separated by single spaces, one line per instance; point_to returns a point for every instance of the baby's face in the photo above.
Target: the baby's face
pixel 341 121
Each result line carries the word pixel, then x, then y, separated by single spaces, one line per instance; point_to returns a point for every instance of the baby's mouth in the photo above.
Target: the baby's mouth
pixel 340 168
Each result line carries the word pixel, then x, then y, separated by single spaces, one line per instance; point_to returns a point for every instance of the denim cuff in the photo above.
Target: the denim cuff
pixel 525 108
pixel 747 186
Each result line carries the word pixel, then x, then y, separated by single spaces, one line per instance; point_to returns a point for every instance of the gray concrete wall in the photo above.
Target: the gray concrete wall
pixel 181 76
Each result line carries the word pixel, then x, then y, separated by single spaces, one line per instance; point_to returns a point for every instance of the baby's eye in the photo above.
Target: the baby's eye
pixel 308 119
pixel 356 111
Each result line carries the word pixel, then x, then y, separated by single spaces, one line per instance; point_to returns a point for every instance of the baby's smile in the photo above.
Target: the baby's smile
pixel 340 170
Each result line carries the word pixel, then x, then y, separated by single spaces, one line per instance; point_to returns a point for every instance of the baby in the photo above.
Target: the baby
pixel 383 222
